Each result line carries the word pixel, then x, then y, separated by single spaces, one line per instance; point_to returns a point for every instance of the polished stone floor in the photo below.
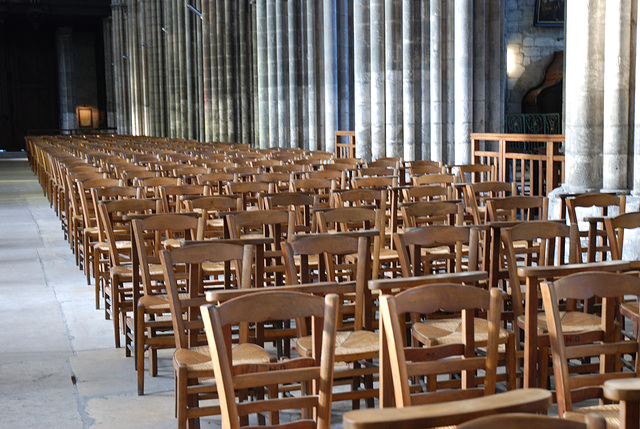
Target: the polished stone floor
pixel 58 364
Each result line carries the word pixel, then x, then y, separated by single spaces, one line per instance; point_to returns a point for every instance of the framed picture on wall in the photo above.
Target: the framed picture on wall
pixel 85 117
pixel 549 13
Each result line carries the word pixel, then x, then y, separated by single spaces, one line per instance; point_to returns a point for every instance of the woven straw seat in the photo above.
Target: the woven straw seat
pixel 449 331
pixel 572 321
pixel 199 358
pixel 611 414
pixel 348 344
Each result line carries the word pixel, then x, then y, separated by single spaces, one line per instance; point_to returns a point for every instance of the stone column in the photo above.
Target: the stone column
pixel 282 66
pixel 479 80
pixel 312 123
pixel 64 42
pixel 206 69
pixel 378 144
pixel 393 69
pixel 169 36
pixel 231 72
pixel 199 72
pixel 183 123
pixel 272 67
pixel 410 73
pixel 263 82
pixel 110 85
pixel 330 84
pixel 244 34
pixel 424 133
pixel 295 95
pixel 362 64
pixel 222 73
pixel 636 119
pixel 189 73
pixel 215 93
pixel 496 59
pixel 435 68
pixel 463 52
pixel 255 102
pixel 616 94
pixel 584 92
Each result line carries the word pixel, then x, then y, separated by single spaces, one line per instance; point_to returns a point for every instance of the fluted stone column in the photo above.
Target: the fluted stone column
pixel 169 35
pixel 244 36
pixel 636 119
pixel 479 48
pixel 496 60
pixel 64 45
pixel 255 117
pixel 222 73
pixel 282 66
pixel 311 75
pixel 362 71
pixel 410 73
pixel 231 75
pixel 463 52
pixel 206 69
pixel 435 69
pixel 263 74
pixel 272 73
pixel 215 93
pixel 378 144
pixel 616 94
pixel 584 95
pixel 189 73
pixel 108 71
pixel 449 142
pixel 393 83
pixel 330 84
pixel 182 125
pixel 295 63
pixel 199 73
pixel 424 133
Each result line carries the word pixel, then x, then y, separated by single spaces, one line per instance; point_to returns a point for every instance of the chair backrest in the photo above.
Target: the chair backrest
pixel 331 251
pixel 605 343
pixel 477 173
pixel 86 199
pixel 278 225
pixel 419 170
pixel 210 211
pixel 616 228
pixel 477 195
pixel 444 247
pixel 301 204
pixel 150 187
pixel 434 179
pixel 155 233
pixel 517 208
pixel 403 363
pixel 595 205
pixel 317 369
pixel 173 197
pixel 249 191
pixel 190 259
pixel 426 193
pixel 431 212
pixel 551 250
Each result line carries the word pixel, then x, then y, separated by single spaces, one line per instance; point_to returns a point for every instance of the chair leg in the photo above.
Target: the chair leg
pixel 510 362
pixel 181 397
pixel 115 309
pixel 139 345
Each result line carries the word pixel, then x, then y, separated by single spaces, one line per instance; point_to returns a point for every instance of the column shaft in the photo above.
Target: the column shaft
pixel 282 66
pixel 362 65
pixel 263 74
pixel 435 71
pixel 330 84
pixel 295 95
pixel 616 94
pixel 393 83
pixel 463 52
pixel 585 64
pixel 410 73
pixel 378 145
pixel 272 67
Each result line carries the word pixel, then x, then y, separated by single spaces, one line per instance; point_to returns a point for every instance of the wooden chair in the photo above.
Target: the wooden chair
pixel 356 343
pixel 234 380
pixel 554 239
pixel 517 208
pixel 420 170
pixel 192 359
pixel 451 413
pixel 426 193
pixel 216 180
pixel 401 366
pixel 597 245
pixel 603 342
pixel 150 328
pixel 434 179
pixel 320 187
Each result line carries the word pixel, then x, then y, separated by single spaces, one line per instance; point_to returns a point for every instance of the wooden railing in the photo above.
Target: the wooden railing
pixel 533 161
pixel 345 149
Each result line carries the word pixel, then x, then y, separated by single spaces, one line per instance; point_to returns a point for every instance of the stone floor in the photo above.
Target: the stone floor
pixel 58 364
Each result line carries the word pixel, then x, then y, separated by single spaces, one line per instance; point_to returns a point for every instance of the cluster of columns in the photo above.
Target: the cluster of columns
pixel 412 78
pixel 602 126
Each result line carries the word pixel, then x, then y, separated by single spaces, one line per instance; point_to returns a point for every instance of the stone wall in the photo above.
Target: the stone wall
pixel 530 48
